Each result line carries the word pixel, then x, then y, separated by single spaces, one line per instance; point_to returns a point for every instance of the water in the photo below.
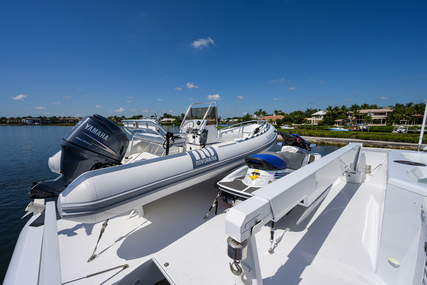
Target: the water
pixel 24 154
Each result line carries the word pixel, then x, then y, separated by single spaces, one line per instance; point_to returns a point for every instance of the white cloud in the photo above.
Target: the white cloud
pixel 240 97
pixel 133 110
pixel 191 85
pixel 128 101
pixel 39 108
pixel 191 99
pixel 159 99
pixel 281 80
pixel 277 99
pixel 19 97
pixel 348 100
pixel 321 81
pixel 119 110
pixel 384 98
pixel 309 77
pixel 79 89
pixel 46 113
pixel 130 97
pixel 178 88
pixel 291 88
pixel 201 43
pixel 56 103
pixel 214 97
pixel 144 111
pixel 244 113
pixel 97 106
pixel 67 97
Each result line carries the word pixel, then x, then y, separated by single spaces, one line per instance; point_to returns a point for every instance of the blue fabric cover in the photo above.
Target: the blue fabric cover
pixel 273 160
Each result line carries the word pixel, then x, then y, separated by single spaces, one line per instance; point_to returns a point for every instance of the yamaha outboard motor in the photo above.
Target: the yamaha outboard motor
pixel 95 142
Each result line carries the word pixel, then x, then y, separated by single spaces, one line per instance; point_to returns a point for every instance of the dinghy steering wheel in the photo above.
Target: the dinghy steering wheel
pixel 188 127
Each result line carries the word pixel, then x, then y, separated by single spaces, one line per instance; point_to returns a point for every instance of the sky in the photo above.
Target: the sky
pixel 126 58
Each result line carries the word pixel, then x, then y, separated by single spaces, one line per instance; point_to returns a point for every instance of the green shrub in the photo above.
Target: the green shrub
pixel 378 136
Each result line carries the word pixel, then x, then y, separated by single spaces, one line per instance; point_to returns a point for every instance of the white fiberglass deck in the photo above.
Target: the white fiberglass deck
pixel 334 244
pixel 354 233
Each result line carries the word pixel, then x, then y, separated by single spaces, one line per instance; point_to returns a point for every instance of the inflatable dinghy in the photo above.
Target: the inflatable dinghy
pixel 103 174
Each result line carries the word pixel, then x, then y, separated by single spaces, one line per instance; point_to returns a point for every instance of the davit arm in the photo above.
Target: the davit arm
pixel 275 200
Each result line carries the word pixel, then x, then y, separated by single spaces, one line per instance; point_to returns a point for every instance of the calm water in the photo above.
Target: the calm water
pixel 24 154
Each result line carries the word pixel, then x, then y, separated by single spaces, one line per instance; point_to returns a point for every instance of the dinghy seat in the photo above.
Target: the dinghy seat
pixel 276 161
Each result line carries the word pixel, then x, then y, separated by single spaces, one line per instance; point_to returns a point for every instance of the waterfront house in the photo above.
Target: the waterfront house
pixel 316 117
pixel 68 120
pixel 35 121
pixel 167 120
pixel 273 118
pixel 378 116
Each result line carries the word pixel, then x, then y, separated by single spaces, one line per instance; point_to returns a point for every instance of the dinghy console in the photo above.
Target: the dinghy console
pixel 200 125
pixel 95 142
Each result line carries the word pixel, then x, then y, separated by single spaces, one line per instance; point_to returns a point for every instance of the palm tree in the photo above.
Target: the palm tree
pixel 367 119
pixel 411 111
pixel 401 115
pixel 355 111
pixel 258 113
pixel 309 111
pixel 419 110
pixel 329 111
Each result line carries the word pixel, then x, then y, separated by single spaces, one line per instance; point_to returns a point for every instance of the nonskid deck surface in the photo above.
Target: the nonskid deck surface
pixel 237 183
pixel 237 186
pixel 331 243
pixel 325 247
pixel 132 241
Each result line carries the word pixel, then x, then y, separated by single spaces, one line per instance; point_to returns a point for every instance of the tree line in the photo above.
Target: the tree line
pixel 18 120
pixel 408 112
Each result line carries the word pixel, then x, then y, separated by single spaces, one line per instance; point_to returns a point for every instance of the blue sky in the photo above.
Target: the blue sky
pixel 76 58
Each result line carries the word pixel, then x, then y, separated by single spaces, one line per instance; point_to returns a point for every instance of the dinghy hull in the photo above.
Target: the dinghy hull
pixel 97 195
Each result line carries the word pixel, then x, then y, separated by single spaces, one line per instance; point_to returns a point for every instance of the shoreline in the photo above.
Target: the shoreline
pixel 339 142
pixel 366 143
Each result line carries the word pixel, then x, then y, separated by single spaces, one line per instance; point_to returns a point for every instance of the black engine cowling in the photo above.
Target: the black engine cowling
pixel 95 142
